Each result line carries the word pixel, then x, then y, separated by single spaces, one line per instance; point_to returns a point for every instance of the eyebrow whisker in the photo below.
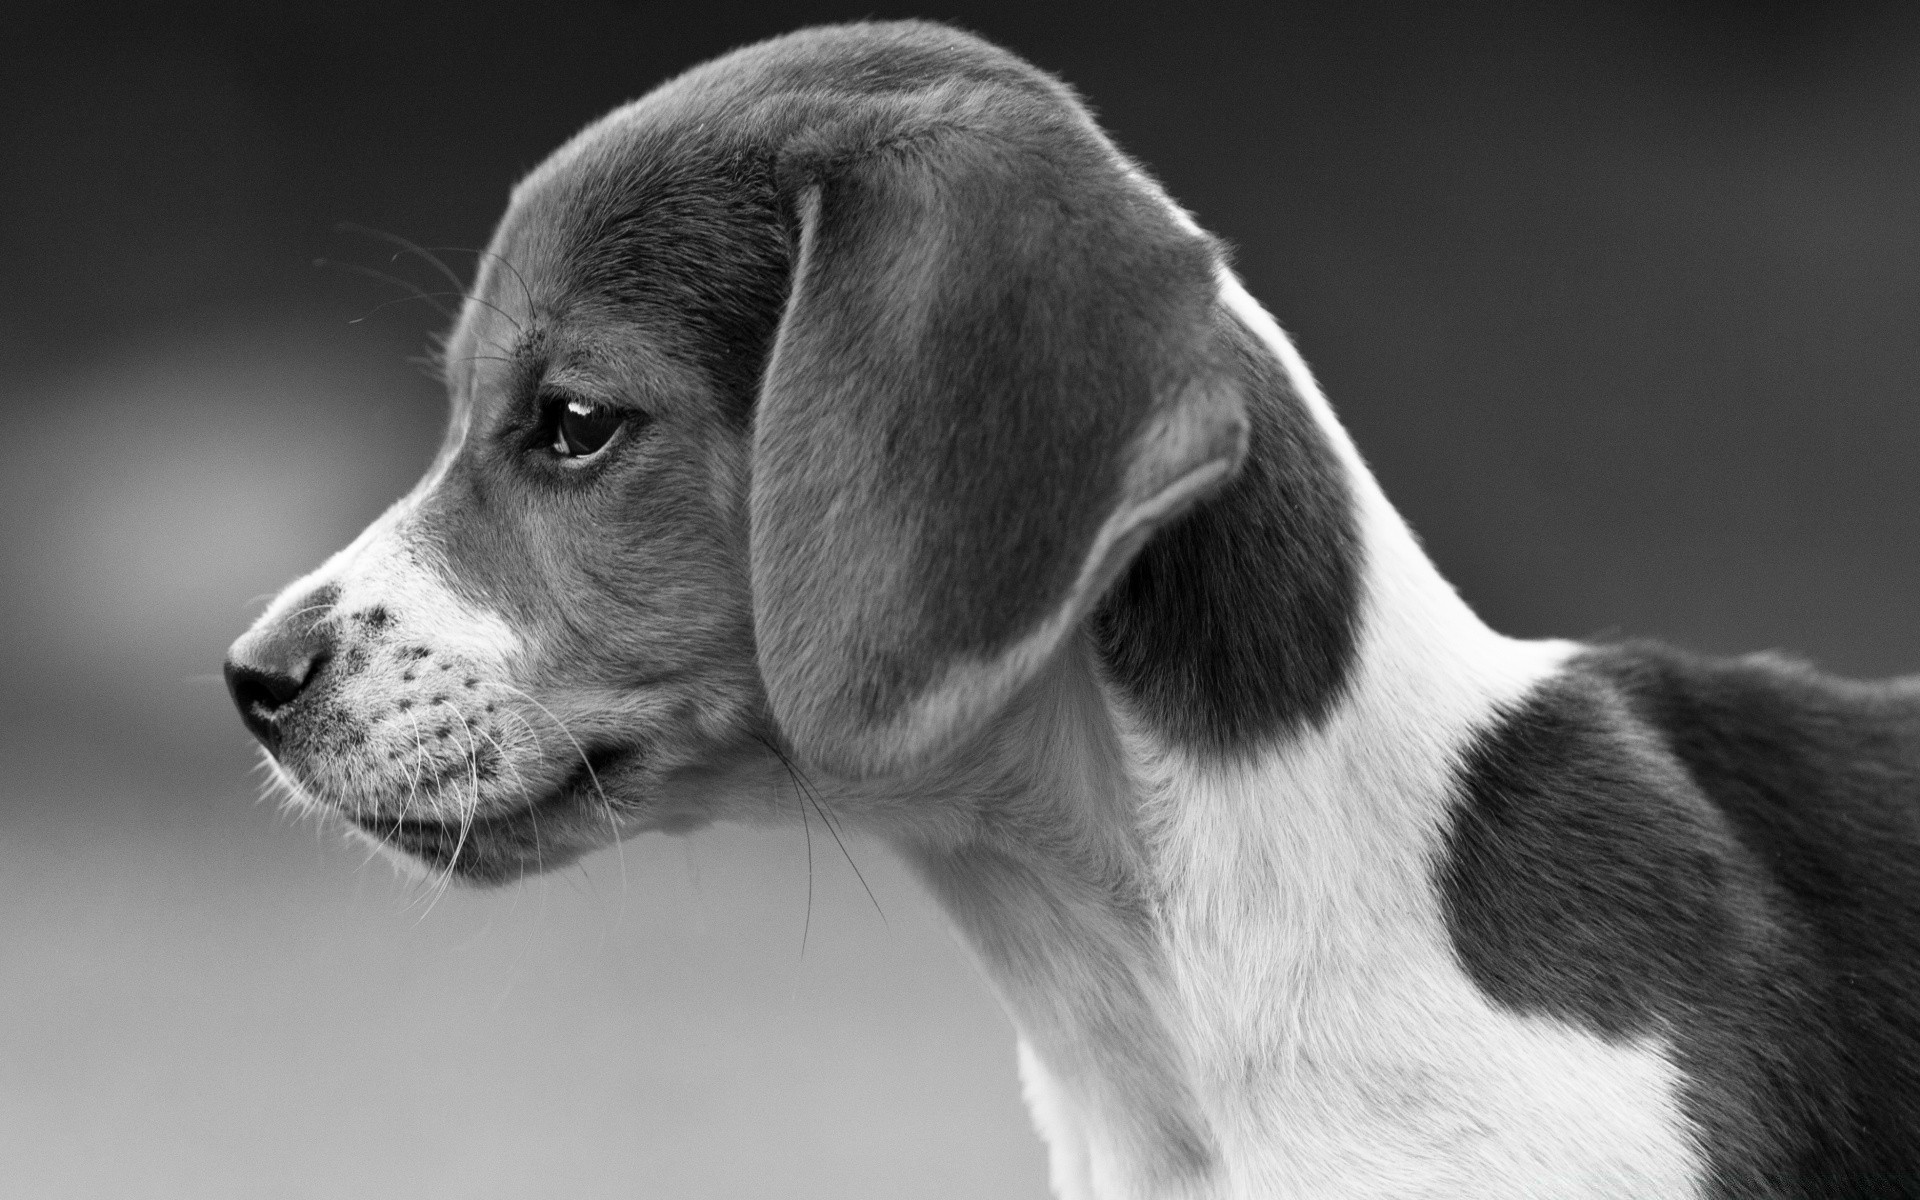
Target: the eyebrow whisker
pixel 406 246
pixel 503 260
pixel 417 292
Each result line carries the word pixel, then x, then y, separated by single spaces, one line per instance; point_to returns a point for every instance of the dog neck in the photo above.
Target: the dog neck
pixel 1187 933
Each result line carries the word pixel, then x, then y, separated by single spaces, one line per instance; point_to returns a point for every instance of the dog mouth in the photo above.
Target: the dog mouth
pixel 543 834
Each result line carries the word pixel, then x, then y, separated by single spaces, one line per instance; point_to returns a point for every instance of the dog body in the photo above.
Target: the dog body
pixel 851 405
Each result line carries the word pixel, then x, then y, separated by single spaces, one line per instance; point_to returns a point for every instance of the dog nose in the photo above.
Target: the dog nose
pixel 272 664
pixel 261 694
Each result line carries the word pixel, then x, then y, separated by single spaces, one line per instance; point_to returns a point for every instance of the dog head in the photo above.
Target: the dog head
pixel 801 409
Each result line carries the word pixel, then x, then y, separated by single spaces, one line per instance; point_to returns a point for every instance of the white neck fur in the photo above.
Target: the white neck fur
pixel 1235 980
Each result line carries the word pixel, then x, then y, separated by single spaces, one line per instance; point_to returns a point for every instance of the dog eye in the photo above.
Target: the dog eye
pixel 582 428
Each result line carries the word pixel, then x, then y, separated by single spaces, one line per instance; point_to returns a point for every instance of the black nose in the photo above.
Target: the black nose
pixel 277 659
pixel 260 694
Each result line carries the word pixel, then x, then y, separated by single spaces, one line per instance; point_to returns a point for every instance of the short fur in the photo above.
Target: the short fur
pixel 951 466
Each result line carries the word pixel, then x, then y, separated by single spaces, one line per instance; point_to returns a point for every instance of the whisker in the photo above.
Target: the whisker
pixel 472 812
pixel 418 292
pixel 606 805
pixel 419 765
pixel 532 732
pixel 826 818
pixel 469 812
pixel 812 793
pixel 395 239
pixel 502 259
pixel 433 358
pixel 806 828
pixel 520 781
pixel 431 365
pixel 311 608
pixel 430 297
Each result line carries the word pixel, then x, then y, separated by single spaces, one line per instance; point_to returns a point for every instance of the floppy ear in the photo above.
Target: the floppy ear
pixel 994 379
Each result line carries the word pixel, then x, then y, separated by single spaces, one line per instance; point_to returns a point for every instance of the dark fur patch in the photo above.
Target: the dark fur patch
pixel 983 397
pixel 989 311
pixel 1238 622
pixel 1724 856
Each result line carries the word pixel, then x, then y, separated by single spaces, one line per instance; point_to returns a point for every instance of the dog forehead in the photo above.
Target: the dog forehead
pixel 669 211
pixel 697 142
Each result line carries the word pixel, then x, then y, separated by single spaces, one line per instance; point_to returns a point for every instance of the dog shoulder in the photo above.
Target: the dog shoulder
pixel 1725 853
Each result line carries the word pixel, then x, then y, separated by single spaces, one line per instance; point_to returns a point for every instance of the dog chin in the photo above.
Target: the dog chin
pixel 487 852
pixel 502 848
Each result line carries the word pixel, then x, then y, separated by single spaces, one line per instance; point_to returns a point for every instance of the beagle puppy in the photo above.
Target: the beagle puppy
pixel 849 425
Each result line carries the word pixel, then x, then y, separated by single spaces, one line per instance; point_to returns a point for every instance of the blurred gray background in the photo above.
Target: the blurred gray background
pixel 1621 301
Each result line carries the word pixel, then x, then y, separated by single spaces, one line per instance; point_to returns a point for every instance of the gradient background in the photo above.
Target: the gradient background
pixel 1621 302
